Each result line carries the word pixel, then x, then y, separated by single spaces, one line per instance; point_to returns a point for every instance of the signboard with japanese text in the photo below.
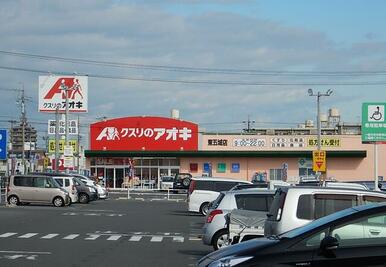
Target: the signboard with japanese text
pixel 373 122
pixel 51 146
pixel 285 142
pixel 72 127
pixel 3 144
pixel 144 133
pixel 52 93
pixel 319 160
pixel 325 142
pixel 249 142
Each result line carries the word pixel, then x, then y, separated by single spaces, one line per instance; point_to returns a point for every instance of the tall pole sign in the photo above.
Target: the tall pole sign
pixel 374 129
pixel 3 144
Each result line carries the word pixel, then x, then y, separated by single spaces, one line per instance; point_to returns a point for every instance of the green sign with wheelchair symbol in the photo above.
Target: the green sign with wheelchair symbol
pixel 373 122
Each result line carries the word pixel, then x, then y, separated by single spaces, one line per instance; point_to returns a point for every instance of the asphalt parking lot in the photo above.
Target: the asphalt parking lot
pixel 144 230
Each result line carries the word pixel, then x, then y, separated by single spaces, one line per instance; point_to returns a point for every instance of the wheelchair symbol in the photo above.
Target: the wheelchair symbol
pixel 377 115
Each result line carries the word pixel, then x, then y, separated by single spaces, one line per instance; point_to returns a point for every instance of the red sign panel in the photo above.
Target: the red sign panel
pixel 144 133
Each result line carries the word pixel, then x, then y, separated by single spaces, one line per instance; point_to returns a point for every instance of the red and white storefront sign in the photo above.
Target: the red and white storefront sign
pixel 144 133
pixel 52 94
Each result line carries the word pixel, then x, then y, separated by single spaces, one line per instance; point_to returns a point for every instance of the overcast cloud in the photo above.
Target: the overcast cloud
pixel 217 34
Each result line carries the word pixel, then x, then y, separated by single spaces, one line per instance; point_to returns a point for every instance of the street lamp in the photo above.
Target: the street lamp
pixel 318 95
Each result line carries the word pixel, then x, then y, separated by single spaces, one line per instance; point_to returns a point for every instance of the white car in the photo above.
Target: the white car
pixel 166 182
pixel 204 190
pixel 102 192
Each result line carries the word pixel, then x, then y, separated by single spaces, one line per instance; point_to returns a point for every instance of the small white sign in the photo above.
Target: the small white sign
pixel 72 127
pixel 68 162
pixel 68 151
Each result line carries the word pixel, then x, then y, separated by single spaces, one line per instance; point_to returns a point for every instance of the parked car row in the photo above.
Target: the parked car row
pixel 245 212
pixel 52 188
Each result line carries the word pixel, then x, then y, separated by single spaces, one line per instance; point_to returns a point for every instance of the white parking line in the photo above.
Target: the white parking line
pixel 25 252
pixel 92 237
pixel 178 239
pixel 135 238
pixel 114 237
pixel 49 236
pixel 156 239
pixel 28 235
pixel 8 234
pixel 70 237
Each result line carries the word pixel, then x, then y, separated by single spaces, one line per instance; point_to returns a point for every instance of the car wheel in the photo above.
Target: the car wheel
pixel 204 208
pixel 220 240
pixel 58 202
pixel 83 198
pixel 186 182
pixel 13 200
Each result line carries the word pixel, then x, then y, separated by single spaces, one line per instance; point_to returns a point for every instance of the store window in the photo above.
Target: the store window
pixel 221 167
pixel 275 174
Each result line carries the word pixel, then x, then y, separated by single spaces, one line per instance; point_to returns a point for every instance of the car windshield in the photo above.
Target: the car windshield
pixel 315 224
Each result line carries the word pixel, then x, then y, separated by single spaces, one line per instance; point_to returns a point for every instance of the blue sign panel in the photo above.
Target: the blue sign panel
pixel 3 144
pixel 235 167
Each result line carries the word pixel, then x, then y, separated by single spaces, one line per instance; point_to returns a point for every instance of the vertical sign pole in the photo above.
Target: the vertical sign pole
pixel 66 142
pixel 376 166
pixel 78 158
pixel 57 140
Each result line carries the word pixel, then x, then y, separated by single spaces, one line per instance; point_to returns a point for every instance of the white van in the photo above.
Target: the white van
pixel 204 190
pixel 67 183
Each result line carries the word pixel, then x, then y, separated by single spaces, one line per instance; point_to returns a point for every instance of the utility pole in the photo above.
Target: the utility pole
pixel 23 121
pixel 249 123
pixel 319 130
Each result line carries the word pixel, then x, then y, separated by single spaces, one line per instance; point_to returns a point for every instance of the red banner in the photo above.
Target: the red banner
pixel 144 133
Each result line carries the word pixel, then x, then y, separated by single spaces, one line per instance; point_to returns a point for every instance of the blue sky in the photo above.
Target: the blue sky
pixel 313 36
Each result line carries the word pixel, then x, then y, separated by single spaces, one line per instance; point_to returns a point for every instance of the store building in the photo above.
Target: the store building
pixel 151 147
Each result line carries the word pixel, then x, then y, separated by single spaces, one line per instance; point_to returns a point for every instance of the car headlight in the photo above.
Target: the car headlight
pixel 229 261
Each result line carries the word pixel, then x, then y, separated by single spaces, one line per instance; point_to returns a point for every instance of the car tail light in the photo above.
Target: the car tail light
pixel 73 187
pixel 192 186
pixel 212 214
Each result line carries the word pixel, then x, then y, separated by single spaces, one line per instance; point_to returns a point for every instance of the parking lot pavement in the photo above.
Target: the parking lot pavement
pixel 105 232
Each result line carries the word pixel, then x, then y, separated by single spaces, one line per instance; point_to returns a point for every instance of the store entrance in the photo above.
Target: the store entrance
pixel 119 174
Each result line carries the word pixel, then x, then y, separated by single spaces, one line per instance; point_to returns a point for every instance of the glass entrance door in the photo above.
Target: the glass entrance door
pixel 109 177
pixel 119 174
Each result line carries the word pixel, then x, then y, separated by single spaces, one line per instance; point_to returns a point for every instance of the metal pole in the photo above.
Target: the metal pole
pixel 66 122
pixel 78 158
pixel 57 139
pixel 376 188
pixel 23 130
pixel 318 122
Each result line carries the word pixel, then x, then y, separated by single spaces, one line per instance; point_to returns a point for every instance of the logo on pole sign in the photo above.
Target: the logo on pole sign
pixel 53 89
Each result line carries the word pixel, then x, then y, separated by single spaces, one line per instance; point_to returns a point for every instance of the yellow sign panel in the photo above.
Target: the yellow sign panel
pixel 325 142
pixel 51 146
pixel 319 160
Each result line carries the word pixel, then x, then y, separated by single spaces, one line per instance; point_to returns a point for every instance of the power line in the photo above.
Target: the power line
pixel 211 82
pixel 230 71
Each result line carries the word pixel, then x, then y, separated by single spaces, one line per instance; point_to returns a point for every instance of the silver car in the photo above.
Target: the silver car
pixel 293 207
pixel 36 189
pixel 215 231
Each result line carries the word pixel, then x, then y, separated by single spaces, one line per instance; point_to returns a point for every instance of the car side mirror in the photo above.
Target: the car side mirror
pixel 48 185
pixel 329 244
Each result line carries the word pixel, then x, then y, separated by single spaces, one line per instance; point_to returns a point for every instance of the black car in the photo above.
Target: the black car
pixel 85 193
pixel 351 237
pixel 182 181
